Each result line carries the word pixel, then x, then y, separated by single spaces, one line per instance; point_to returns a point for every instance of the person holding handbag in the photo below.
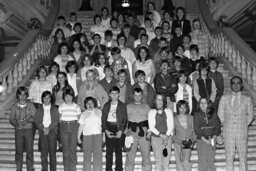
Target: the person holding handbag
pixel 183 136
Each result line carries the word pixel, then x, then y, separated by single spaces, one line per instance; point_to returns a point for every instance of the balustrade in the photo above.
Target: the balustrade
pixel 38 51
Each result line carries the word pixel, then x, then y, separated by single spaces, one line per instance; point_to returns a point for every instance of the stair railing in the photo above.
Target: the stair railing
pixel 32 50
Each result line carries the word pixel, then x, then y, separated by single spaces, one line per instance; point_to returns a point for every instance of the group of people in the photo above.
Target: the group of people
pixel 149 85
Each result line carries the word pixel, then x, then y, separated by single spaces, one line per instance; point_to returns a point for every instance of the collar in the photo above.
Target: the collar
pixel 46 106
pixel 238 94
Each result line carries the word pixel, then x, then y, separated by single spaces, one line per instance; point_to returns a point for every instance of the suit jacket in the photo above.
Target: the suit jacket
pixel 219 82
pixel 235 118
pixel 150 94
pixel 186 29
pixel 121 115
pixel 39 117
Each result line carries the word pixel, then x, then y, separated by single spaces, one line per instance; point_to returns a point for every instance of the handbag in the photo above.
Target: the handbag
pixel 128 143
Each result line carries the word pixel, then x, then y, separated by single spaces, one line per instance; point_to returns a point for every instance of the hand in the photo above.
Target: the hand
pixel 46 131
pixel 164 137
pixel 148 135
pixel 118 134
pixel 108 133
pixel 23 122
pixel 79 141
pixel 103 138
pixel 163 87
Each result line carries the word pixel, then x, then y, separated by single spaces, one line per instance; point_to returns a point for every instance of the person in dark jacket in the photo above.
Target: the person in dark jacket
pixel 114 121
pixel 207 127
pixel 166 84
pixel 181 21
pixel 47 120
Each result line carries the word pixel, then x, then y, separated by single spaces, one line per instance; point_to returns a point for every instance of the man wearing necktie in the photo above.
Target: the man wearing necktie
pixel 236 113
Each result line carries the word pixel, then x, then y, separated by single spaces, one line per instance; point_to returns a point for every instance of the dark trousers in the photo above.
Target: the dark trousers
pixel 113 144
pixel 24 139
pixel 68 134
pixel 48 145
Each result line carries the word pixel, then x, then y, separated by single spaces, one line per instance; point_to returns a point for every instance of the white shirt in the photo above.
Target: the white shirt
pixel 47 116
pixel 91 121
pixel 72 82
pixel 100 70
pixel 112 113
pixel 69 112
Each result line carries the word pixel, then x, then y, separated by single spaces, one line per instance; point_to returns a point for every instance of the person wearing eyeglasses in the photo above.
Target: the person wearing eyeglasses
pixel 236 113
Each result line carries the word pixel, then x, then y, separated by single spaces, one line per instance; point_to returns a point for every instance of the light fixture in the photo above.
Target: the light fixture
pixel 126 3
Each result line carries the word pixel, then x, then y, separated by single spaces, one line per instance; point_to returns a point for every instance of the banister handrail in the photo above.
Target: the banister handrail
pixel 27 41
pixel 225 42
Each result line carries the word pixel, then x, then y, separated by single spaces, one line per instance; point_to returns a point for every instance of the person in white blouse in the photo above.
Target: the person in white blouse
pixel 152 8
pixel 98 28
pixel 90 129
pixel 105 17
pixel 100 64
pixel 63 56
pixel 161 125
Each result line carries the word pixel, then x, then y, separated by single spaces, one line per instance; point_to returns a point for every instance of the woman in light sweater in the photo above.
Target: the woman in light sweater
pixel 160 120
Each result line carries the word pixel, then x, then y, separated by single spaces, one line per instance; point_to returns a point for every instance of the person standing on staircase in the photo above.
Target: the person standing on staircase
pixel 236 113
pixel 22 118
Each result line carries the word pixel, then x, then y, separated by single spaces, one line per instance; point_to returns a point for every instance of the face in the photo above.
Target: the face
pixel 159 101
pixel 144 40
pixel 61 78
pixel 177 63
pixel 42 74
pixel 68 99
pixel 204 72
pixel 97 39
pixel 121 41
pixel 77 29
pixel 143 54
pixel 196 25
pixel 163 44
pixel 90 105
pixel 183 78
pixel 102 60
pixel 167 16
pixel 104 12
pixel 72 69
pixel 147 24
pixel 182 109
pixel 108 73
pixel 64 50
pixel 164 54
pixel 120 18
pixel 90 76
pixel 213 65
pixel 87 61
pixel 137 97
pixel 108 38
pixel 203 104
pixel 127 30
pixel 180 14
pixel 158 32
pixel 166 26
pixel 76 45
pixel 73 19
pixel 47 100
pixel 151 17
pixel 130 20
pixel 61 22
pixel 122 77
pixel 164 67
pixel 54 69
pixel 178 31
pixel 98 21
pixel 236 85
pixel 59 35
pixel 82 39
pixel 114 23
pixel 150 7
pixel 140 78
pixel 186 39
pixel 22 96
pixel 180 50
pixel 114 95
pixel 194 53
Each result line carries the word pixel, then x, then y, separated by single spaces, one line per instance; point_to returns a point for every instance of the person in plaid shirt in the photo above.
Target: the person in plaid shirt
pixel 236 113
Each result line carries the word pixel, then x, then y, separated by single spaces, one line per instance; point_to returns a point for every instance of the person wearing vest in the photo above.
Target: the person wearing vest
pixel 207 127
pixel 114 121
pixel 160 121
pixel 137 113
pixel 236 113
pixel 204 86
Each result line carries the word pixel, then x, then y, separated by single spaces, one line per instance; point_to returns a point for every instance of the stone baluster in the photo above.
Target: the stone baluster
pixel 4 86
pixel 230 52
pixel 249 73
pixel 234 56
pixel 29 60
pixel 10 82
pixel 226 48
pixel 254 78
pixel 222 45
pixel 243 67
pixel 15 76
pixel 32 56
pixel 20 71
pixel 238 61
pixel 214 45
pixel 25 65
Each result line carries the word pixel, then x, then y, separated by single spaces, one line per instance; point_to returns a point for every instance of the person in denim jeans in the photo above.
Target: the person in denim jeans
pixel 69 114
pixel 22 118
pixel 160 121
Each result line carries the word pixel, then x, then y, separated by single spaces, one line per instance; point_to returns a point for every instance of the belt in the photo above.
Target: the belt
pixel 68 122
